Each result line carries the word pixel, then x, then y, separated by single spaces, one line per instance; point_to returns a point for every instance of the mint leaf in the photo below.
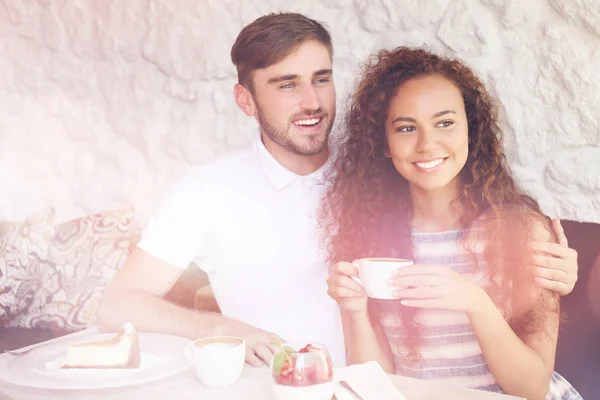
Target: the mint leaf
pixel 289 350
pixel 279 362
pixel 286 353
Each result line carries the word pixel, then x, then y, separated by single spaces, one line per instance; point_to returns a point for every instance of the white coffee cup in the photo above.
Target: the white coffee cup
pixel 375 273
pixel 218 360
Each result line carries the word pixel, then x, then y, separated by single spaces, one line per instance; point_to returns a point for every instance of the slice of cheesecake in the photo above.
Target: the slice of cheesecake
pixel 121 351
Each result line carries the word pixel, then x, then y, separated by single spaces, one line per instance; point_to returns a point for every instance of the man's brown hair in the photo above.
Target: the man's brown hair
pixel 271 38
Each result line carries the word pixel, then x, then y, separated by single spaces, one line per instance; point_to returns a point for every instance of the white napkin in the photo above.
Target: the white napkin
pixel 369 380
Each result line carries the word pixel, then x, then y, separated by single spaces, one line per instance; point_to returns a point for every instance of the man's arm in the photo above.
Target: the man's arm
pixel 135 295
pixel 592 289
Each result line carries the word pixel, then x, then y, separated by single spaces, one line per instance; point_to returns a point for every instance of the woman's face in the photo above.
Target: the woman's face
pixel 427 133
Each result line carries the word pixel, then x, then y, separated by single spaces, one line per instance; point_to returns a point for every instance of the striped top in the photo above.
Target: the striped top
pixel 449 351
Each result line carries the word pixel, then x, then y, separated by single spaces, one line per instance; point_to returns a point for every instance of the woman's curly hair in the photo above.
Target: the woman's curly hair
pixel 367 211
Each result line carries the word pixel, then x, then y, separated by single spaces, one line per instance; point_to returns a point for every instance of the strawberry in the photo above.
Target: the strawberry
pixel 324 372
pixel 314 368
pixel 286 375
pixel 284 380
pixel 305 376
pixel 288 367
pixel 309 348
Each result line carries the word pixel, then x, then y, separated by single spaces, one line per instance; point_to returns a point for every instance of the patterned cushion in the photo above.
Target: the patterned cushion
pixel 23 248
pixel 81 258
pixel 4 227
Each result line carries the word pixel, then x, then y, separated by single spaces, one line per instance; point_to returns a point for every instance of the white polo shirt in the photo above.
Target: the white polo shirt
pixel 251 225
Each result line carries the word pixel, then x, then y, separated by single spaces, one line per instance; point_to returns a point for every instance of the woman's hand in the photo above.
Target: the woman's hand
pixel 348 293
pixel 437 286
pixel 555 263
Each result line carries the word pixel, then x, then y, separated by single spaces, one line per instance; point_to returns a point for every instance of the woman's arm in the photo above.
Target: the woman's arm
pixel 522 367
pixel 364 339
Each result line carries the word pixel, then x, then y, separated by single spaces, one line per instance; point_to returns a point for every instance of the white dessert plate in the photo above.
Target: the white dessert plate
pixel 162 356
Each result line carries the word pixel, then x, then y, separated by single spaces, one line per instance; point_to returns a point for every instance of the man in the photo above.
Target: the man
pixel 249 219
pixel 593 293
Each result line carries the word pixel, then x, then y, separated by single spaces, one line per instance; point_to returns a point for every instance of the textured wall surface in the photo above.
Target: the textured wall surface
pixel 105 103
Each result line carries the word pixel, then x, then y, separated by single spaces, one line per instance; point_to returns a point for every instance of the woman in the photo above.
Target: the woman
pixel 421 175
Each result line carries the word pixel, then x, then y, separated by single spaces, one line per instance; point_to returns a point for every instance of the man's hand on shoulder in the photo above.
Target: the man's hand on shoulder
pixel 592 289
pixel 555 263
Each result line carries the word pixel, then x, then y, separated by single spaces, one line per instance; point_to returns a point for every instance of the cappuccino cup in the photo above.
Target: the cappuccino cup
pixel 374 274
pixel 218 360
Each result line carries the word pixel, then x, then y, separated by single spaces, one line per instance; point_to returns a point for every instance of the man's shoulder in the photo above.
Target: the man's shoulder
pixel 231 165
pixel 204 181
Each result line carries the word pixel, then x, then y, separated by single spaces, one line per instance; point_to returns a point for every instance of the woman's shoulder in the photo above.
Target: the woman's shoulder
pixel 520 218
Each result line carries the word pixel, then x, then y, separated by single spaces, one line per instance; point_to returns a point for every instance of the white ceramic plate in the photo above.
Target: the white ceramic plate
pixel 162 356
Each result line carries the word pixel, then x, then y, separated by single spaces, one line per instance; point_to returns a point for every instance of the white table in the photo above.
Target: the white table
pixel 253 385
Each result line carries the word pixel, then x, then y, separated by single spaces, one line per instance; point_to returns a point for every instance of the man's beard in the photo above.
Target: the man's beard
pixel 310 146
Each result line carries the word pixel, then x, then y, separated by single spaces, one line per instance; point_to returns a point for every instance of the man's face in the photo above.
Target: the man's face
pixel 294 100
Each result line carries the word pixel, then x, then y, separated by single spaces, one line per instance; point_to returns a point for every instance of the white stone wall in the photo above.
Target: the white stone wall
pixel 105 103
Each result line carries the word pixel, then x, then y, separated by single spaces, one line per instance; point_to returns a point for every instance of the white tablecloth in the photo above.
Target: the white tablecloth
pixel 253 385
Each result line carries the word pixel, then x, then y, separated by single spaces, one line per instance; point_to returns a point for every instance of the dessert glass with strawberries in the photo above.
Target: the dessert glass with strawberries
pixel 302 371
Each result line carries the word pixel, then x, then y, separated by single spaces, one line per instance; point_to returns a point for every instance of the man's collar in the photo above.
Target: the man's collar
pixel 277 174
